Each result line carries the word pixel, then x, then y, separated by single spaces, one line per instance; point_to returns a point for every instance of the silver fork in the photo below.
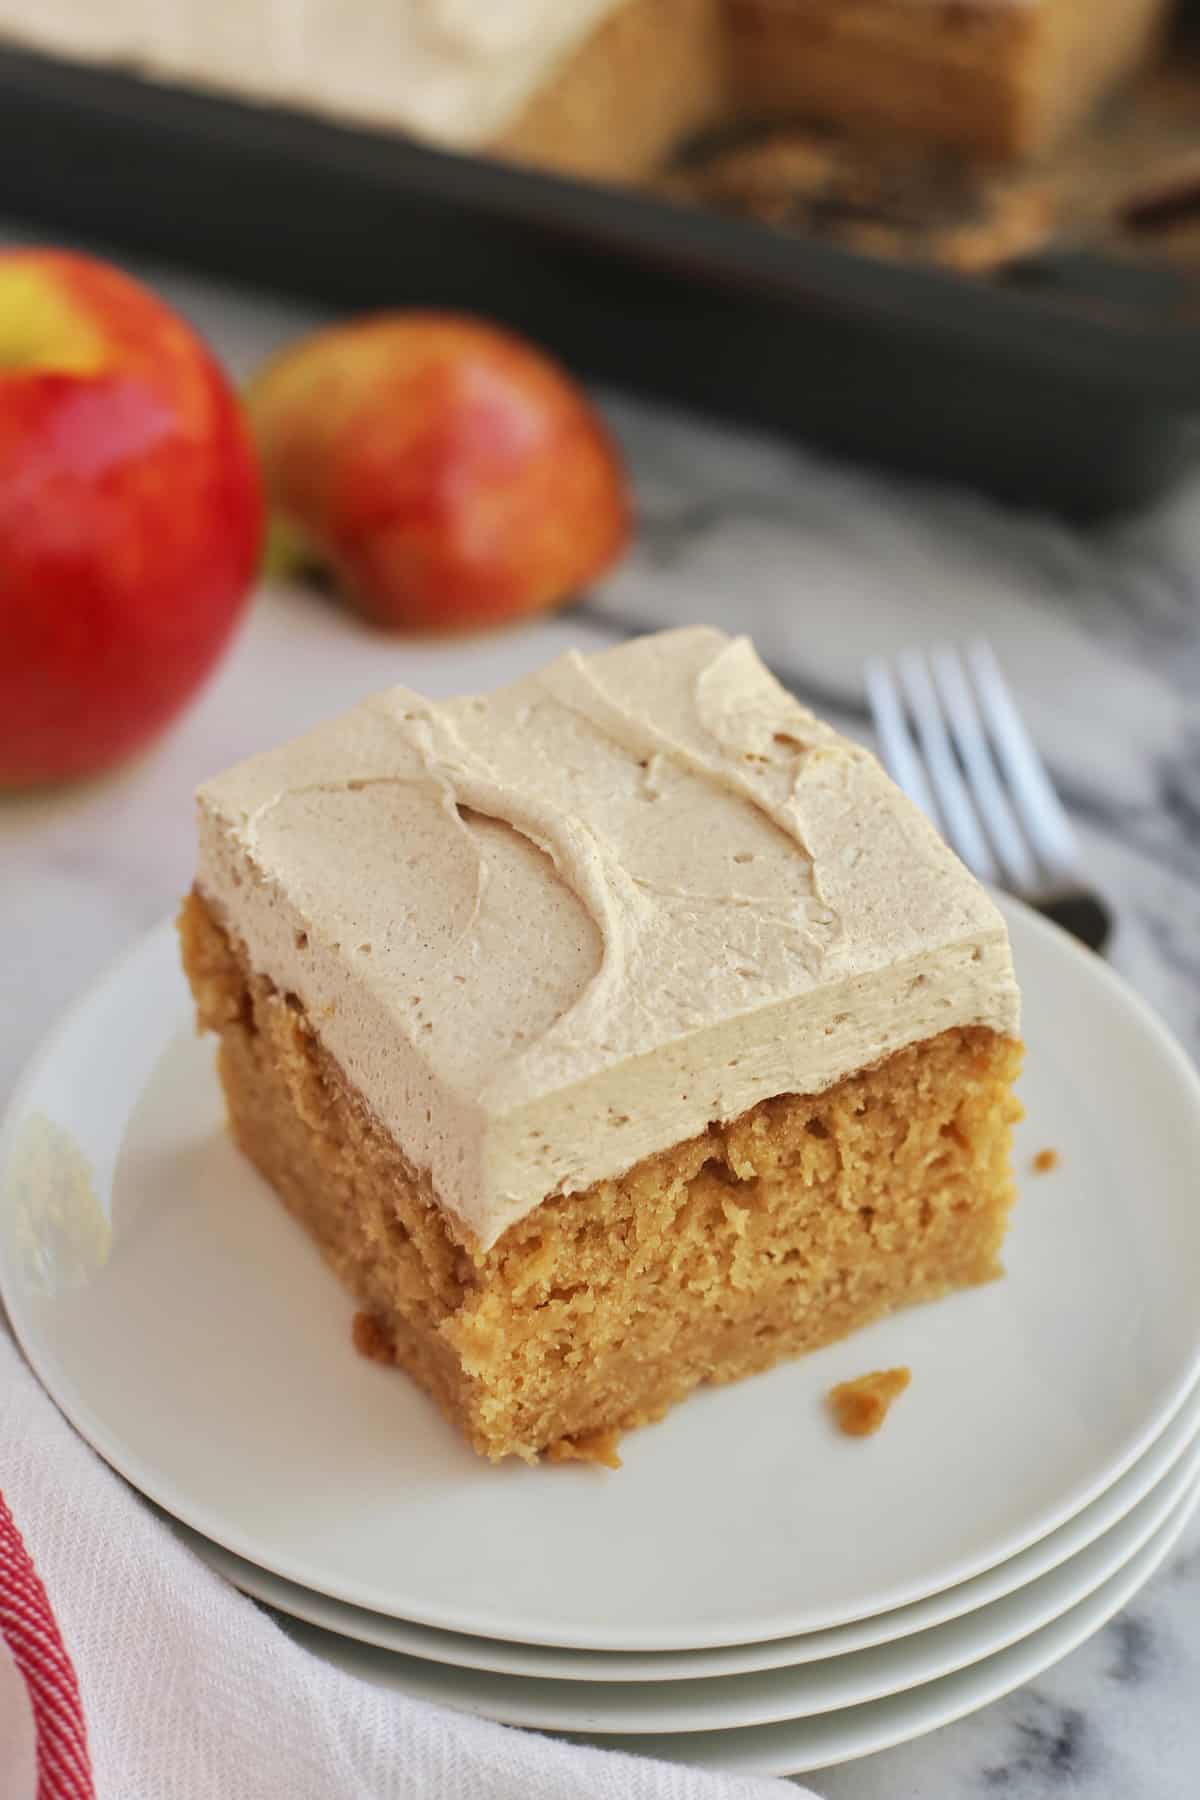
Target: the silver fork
pixel 951 736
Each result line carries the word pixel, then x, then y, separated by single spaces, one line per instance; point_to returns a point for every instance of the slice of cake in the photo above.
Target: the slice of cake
pixel 621 1030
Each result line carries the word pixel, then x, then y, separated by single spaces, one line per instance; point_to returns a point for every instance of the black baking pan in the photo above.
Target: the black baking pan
pixel 1073 384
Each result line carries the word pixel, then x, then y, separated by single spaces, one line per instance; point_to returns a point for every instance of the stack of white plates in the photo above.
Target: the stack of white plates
pixel 751 1591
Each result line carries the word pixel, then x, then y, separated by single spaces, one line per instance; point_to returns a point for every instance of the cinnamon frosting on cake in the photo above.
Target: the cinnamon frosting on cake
pixel 552 930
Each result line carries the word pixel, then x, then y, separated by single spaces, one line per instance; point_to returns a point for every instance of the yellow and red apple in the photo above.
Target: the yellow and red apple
pixel 130 515
pixel 447 473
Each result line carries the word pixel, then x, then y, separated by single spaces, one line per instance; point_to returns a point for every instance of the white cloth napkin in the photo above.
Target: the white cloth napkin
pixel 190 1691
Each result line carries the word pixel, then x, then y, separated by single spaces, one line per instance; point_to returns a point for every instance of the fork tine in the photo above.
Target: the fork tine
pixel 1038 806
pixel 897 749
pixel 966 731
pixel 954 802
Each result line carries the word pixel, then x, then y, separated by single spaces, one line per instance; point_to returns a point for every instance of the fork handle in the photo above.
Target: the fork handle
pixel 1082 912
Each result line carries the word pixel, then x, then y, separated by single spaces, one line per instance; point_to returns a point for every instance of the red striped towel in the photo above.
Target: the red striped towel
pixel 30 1631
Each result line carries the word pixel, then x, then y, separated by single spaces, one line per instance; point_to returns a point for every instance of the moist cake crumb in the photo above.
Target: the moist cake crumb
pixel 1045 1160
pixel 860 1406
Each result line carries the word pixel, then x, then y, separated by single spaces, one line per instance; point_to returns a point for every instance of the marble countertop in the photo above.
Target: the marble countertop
pixel 1100 632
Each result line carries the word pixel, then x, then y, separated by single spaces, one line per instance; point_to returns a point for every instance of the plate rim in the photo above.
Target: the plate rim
pixel 1020 1661
pixel 1049 1645
pixel 111 1444
pixel 614 1662
pixel 1059 1594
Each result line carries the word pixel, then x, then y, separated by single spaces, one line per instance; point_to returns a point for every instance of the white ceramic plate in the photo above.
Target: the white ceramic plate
pixel 817 1740
pixel 1176 1454
pixel 730 1702
pixel 194 1336
pixel 793 1747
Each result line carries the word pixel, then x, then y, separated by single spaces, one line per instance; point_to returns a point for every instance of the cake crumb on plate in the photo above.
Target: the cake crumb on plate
pixel 860 1406
pixel 371 1339
pixel 1044 1161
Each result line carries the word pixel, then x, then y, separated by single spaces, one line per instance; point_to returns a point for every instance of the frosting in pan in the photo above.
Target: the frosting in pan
pixel 457 72
pixel 548 931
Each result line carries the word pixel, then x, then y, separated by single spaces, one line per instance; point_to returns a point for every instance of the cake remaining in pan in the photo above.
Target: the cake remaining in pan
pixel 995 78
pixel 607 88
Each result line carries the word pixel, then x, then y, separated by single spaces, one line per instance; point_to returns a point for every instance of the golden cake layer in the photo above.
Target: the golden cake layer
pixel 756 1239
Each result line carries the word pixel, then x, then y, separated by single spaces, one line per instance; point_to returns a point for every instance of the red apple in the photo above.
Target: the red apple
pixel 130 515
pixel 447 473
